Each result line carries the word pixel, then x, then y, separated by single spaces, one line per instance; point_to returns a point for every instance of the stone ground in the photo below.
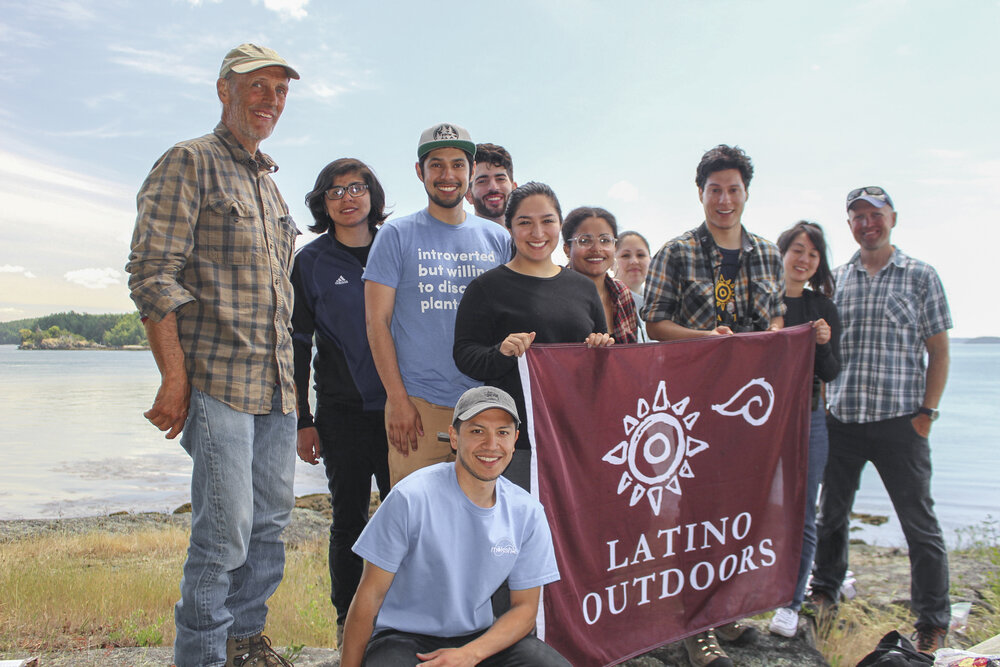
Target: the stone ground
pixel 882 580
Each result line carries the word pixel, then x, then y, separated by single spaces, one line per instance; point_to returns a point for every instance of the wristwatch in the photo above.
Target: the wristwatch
pixel 930 412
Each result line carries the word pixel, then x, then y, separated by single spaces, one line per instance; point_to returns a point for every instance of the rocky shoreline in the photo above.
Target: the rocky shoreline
pixel 882 580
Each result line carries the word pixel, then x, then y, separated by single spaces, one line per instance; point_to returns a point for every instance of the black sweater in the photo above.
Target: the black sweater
pixel 563 309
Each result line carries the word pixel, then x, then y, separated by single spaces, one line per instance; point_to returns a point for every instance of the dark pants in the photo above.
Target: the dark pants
pixel 903 461
pixel 354 448
pixel 399 649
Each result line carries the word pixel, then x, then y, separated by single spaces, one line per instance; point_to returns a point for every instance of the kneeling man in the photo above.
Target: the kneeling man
pixel 443 541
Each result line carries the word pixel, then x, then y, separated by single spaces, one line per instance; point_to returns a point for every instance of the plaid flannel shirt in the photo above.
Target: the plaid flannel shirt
pixel 625 328
pixel 213 242
pixel 680 285
pixel 885 320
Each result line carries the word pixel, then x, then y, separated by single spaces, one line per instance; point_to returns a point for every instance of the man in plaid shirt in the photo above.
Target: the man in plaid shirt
pixel 210 273
pixel 716 279
pixel 893 310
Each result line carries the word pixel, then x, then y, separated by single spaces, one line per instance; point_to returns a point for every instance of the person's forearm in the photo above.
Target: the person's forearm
pixel 670 330
pixel 510 628
pixel 166 347
pixel 384 354
pixel 938 361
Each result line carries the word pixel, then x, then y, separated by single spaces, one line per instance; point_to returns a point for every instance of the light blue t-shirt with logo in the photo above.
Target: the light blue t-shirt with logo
pixel 429 263
pixel 449 555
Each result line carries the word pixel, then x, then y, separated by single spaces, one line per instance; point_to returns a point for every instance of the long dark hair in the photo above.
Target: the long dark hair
pixel 822 280
pixel 315 200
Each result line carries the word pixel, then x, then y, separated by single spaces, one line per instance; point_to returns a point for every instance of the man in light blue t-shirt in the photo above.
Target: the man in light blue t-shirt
pixel 441 544
pixel 417 271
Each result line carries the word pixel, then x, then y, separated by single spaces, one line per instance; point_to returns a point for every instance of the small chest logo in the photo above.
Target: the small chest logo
pixel 340 281
pixel 504 548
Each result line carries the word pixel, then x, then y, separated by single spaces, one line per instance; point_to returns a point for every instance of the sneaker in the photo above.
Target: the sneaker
pixel 929 638
pixel 703 650
pixel 785 622
pixel 253 651
pixel 737 633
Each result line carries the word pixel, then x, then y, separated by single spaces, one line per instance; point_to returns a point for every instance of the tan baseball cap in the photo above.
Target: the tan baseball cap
pixel 250 57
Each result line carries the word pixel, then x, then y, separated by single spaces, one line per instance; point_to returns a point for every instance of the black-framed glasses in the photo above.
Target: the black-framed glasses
pixel 338 191
pixel 586 240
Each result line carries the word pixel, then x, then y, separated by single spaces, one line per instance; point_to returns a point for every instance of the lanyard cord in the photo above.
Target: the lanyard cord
pixel 744 262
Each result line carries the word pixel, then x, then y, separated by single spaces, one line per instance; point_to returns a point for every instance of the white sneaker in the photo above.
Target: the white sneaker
pixel 785 622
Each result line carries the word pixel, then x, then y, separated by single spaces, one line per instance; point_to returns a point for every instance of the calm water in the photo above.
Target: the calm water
pixel 74 441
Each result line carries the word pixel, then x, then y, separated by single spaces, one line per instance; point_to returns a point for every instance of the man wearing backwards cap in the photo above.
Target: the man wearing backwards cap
pixel 882 404
pixel 417 270
pixel 210 265
pixel 440 545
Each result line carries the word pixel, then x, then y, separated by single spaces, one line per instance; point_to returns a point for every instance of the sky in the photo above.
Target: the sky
pixel 612 104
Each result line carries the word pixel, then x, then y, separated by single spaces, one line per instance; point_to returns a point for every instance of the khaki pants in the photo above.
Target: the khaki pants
pixel 430 450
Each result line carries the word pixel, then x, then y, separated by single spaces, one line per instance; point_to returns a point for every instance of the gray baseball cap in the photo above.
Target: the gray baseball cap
pixel 477 399
pixel 250 57
pixel 445 135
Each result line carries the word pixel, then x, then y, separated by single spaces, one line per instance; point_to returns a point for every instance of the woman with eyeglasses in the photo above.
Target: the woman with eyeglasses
pixel 590 236
pixel 528 300
pixel 803 252
pixel 348 431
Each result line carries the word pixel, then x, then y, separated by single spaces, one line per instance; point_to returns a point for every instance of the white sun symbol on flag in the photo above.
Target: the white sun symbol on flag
pixel 657 449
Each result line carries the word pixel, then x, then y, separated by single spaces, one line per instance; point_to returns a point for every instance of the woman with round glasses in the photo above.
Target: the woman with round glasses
pixel 590 236
pixel 348 431
pixel 530 299
pixel 803 252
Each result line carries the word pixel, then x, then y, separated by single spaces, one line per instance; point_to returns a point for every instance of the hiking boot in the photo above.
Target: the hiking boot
pixel 703 650
pixel 929 638
pixel 737 633
pixel 785 622
pixel 253 651
pixel 821 605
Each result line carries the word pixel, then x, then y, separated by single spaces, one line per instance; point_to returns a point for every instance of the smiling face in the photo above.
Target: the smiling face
pixel 349 211
pixel 490 188
pixel 596 259
pixel 535 229
pixel 871 226
pixel 801 260
pixel 445 175
pixel 632 262
pixel 484 445
pixel 723 199
pixel 252 104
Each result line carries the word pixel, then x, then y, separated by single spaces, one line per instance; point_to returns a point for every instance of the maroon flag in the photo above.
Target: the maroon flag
pixel 673 476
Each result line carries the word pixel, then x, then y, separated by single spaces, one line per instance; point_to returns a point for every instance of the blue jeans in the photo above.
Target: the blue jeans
pixel 241 500
pixel 391 648
pixel 903 460
pixel 819 444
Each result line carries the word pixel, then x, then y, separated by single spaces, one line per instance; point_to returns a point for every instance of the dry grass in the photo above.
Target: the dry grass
pixel 101 590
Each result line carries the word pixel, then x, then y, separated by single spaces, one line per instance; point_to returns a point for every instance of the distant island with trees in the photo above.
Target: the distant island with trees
pixel 76 331
pixel 116 331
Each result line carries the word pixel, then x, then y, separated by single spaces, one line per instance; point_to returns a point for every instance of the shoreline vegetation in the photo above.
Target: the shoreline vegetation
pixel 118 331
pixel 70 587
pixel 76 331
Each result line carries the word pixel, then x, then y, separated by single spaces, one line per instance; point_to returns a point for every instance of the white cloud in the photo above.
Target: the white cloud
pixel 173 64
pixel 294 9
pixel 7 268
pixel 96 278
pixel 624 191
